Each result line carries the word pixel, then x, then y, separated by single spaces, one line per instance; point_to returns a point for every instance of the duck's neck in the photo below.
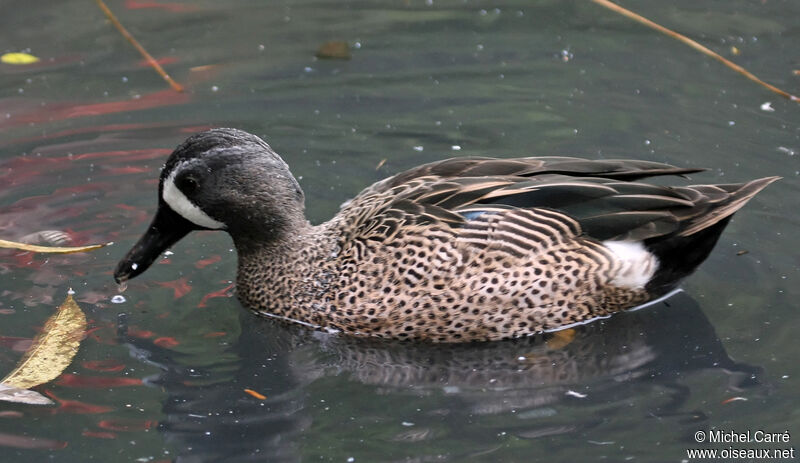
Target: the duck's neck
pixel 288 276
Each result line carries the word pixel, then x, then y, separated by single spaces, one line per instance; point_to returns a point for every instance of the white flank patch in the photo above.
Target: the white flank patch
pixel 181 204
pixel 637 264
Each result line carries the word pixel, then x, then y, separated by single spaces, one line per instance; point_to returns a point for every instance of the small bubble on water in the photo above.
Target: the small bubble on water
pixel 118 299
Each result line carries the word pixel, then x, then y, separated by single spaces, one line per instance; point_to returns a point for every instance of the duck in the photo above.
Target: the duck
pixel 458 250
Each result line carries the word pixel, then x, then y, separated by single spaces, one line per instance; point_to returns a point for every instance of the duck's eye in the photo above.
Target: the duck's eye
pixel 188 184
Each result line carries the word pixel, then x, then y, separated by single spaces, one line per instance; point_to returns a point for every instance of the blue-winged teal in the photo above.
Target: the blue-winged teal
pixel 457 250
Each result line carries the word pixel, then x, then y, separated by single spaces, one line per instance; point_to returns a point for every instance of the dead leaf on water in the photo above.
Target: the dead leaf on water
pixel 51 352
pixel 334 50
pixel 561 339
pixel 49 249
pixel 24 396
pixel 18 58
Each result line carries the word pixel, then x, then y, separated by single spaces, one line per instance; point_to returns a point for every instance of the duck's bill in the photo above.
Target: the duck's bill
pixel 166 229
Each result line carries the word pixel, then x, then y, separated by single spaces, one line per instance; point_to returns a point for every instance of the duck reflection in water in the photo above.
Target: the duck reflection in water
pixel 538 380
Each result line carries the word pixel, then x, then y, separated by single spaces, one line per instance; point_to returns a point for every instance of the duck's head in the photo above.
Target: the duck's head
pixel 220 179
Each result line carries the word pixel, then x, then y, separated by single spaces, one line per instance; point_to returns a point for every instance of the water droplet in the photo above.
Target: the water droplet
pixel 118 299
pixel 419 148
pixel 122 286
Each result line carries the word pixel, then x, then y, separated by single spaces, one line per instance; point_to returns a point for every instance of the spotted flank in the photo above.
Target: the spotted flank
pixel 465 249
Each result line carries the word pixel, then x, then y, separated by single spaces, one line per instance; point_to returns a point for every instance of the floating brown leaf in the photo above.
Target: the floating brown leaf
pixel 52 350
pixel 334 50
pixel 50 249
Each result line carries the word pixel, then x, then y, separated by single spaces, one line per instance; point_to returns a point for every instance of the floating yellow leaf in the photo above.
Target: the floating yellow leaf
pixel 50 249
pixel 52 350
pixel 18 58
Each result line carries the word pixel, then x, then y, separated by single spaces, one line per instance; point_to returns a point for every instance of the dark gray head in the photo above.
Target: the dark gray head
pixel 220 179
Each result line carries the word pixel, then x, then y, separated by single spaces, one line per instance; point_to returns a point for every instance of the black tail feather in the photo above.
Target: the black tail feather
pixel 679 256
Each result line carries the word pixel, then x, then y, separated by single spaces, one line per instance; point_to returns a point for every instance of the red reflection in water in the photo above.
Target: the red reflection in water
pixel 127 425
pixel 137 333
pixel 70 380
pixel 203 263
pixel 103 365
pixel 75 406
pixel 166 342
pixel 180 286
pixel 15 343
pixel 126 170
pixel 99 434
pixel 103 129
pixel 224 292
pixel 106 334
pixel 60 111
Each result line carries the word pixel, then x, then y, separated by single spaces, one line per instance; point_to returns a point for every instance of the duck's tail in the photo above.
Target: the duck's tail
pixel 680 252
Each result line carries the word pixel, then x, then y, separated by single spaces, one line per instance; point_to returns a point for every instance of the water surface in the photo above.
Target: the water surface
pixel 161 376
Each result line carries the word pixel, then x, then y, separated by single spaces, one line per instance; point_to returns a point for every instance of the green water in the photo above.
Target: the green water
pixel 161 376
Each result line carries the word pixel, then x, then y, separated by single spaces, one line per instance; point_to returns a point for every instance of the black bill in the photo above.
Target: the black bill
pixel 166 229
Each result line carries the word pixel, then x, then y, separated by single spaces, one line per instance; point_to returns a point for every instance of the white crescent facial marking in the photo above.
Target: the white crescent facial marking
pixel 637 264
pixel 187 209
